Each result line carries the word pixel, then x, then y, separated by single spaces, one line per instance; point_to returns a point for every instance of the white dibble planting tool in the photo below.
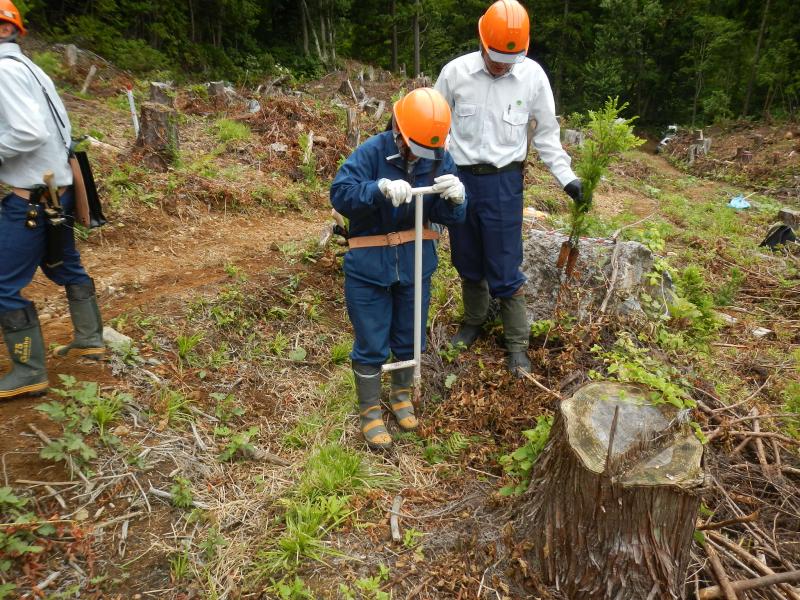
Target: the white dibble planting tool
pixel 416 362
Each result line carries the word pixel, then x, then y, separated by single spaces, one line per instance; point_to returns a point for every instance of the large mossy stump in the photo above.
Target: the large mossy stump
pixel 616 524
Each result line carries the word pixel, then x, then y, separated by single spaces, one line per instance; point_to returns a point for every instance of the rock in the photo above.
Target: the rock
pixel 118 342
pixel 573 137
pixel 790 217
pixel 253 106
pixel 762 333
pixel 541 249
pixel 278 148
pixel 727 319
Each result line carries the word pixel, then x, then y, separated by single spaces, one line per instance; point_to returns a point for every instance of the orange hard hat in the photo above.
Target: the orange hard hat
pixel 10 13
pixel 505 31
pixel 423 118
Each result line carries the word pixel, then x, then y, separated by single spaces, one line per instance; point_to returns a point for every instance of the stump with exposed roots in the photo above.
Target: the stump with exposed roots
pixel 611 508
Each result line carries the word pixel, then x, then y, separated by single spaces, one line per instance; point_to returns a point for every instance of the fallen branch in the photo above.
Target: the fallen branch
pixel 746 519
pixel 394 520
pixel 751 560
pixel 540 385
pixel 725 587
pixel 751 584
pixel 262 455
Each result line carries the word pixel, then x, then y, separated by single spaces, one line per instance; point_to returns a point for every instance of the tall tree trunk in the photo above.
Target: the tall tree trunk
pixel 560 64
pixel 191 19
pixel 306 49
pixel 310 23
pixel 698 77
pixel 393 12
pixel 417 68
pixel 323 35
pixel 754 71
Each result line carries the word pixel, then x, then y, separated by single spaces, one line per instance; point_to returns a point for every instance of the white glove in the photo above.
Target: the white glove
pixel 450 188
pixel 398 191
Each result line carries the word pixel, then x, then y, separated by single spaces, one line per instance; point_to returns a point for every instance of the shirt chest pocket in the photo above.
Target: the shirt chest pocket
pixel 466 122
pixel 514 128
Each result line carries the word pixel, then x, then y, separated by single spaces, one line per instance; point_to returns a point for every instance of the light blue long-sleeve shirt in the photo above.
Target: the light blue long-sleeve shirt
pixel 30 143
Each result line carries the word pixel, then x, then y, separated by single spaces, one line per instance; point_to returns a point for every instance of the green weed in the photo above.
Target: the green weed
pixel 333 469
pixel 239 443
pixel 292 589
pixel 518 464
pixel 448 449
pixel 229 131
pixel 181 491
pixel 630 363
pixel 340 352
pixel 179 566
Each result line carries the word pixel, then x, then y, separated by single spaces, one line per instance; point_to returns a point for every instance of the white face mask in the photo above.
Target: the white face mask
pixel 11 38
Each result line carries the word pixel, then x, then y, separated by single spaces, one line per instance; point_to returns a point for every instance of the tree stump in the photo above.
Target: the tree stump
pixel 162 93
pixel 614 524
pixel 158 135
pixel 353 132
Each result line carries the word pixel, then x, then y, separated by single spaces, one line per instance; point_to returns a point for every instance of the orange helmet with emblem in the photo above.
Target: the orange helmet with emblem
pixel 423 118
pixel 10 14
pixel 505 31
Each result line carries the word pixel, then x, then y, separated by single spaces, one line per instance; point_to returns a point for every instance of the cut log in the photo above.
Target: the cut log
pixel 158 135
pixel 71 57
pixel 611 508
pixel 162 93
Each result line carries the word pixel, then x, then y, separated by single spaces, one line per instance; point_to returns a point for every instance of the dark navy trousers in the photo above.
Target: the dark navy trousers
pixel 488 245
pixel 383 319
pixel 22 251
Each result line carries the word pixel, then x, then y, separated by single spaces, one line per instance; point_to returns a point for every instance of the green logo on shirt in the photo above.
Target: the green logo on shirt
pixel 519 102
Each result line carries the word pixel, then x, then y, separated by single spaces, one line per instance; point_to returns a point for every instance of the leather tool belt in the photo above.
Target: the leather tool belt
pixel 390 239
pixel 26 194
pixel 487 169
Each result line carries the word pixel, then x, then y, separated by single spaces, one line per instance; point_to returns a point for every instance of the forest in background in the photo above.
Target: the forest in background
pixel 685 61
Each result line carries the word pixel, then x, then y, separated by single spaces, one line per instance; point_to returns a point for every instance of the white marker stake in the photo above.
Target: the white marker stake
pixel 418 194
pixel 132 104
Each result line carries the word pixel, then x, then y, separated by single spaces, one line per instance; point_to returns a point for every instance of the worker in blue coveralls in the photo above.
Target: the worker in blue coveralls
pixel 373 190
pixel 497 95
pixel 35 139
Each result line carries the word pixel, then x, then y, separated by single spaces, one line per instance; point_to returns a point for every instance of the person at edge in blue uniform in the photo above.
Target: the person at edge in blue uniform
pixel 496 95
pixel 34 139
pixel 373 190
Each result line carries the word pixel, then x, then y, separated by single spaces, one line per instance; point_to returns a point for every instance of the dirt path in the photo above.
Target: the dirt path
pixel 158 260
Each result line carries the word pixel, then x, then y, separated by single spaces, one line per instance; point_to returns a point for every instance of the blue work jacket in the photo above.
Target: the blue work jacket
pixel 355 194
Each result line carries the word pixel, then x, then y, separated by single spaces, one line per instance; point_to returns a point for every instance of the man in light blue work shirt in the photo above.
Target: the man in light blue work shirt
pixel 35 137
pixel 494 95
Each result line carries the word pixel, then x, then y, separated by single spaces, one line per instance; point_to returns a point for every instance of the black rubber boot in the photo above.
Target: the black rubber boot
pixel 86 322
pixel 368 390
pixel 476 306
pixel 516 331
pixel 23 336
pixel 401 401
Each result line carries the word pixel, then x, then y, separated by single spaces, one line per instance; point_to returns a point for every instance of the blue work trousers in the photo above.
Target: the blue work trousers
pixel 383 319
pixel 22 251
pixel 488 245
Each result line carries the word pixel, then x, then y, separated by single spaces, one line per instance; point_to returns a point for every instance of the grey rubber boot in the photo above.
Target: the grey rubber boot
pixel 516 331
pixel 401 401
pixel 368 390
pixel 476 306
pixel 86 322
pixel 23 336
